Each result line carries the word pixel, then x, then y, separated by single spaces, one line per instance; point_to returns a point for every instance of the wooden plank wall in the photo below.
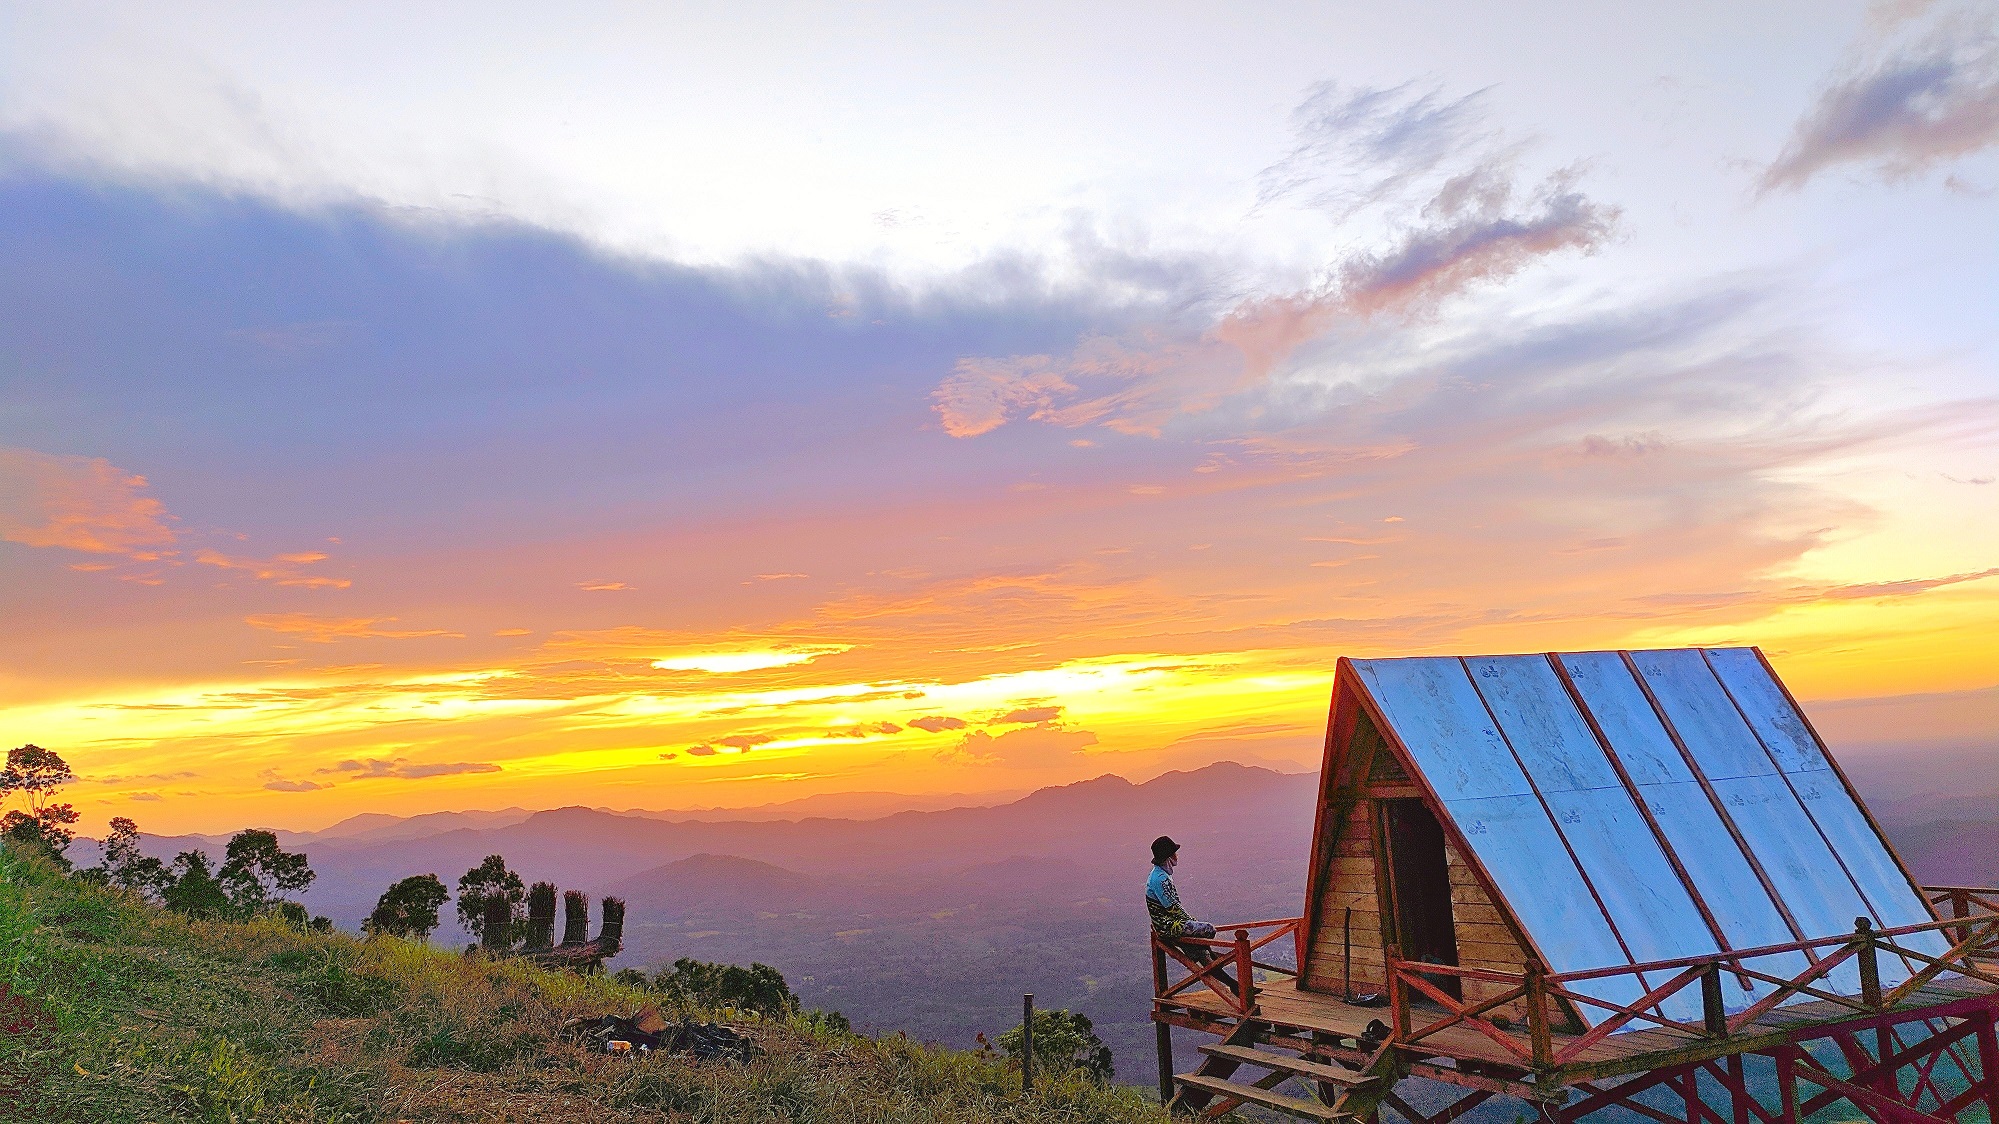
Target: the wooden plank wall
pixel 1350 882
pixel 1485 940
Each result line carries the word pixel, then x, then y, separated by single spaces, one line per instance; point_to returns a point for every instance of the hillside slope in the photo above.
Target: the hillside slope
pixel 111 1009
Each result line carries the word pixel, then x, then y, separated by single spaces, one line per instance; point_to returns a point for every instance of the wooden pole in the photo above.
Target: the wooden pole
pixel 1787 1085
pixel 1988 1065
pixel 1738 1090
pixel 1537 1015
pixel 1346 958
pixel 1398 993
pixel 1714 1014
pixel 1245 984
pixel 1027 1043
pixel 1162 1033
pixel 1870 965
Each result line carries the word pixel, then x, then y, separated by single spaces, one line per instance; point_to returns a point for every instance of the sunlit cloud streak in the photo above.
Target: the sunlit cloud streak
pixel 1919 94
pixel 1123 512
pixel 1446 186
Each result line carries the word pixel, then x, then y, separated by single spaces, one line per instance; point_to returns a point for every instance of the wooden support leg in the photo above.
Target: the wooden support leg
pixel 1888 1083
pixel 1988 1066
pixel 1787 1086
pixel 1164 1041
pixel 1738 1090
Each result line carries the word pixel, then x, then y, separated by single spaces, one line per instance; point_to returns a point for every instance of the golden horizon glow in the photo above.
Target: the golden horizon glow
pixel 317 500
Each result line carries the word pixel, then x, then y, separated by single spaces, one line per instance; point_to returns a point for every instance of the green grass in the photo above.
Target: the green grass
pixel 111 1009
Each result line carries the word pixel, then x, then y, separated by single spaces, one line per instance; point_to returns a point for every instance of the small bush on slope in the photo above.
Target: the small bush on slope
pixel 111 1009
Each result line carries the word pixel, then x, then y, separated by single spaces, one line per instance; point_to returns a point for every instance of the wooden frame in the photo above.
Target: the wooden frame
pixel 1971 934
pixel 1239 954
pixel 1891 1081
pixel 1889 1051
pixel 1341 725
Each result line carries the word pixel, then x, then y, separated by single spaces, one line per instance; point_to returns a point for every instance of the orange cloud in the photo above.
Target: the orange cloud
pixel 1027 716
pixel 282 570
pixel 937 724
pixel 1027 747
pixel 326 630
pixel 78 503
pixel 982 393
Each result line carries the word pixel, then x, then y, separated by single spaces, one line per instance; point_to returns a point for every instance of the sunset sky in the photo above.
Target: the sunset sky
pixel 595 404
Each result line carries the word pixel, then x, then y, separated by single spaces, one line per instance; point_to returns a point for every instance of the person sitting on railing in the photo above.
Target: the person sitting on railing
pixel 1169 919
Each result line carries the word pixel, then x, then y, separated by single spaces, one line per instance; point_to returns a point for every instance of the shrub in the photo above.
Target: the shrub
pixel 1064 1042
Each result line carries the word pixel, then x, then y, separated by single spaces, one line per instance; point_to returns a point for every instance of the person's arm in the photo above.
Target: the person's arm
pixel 1167 915
pixel 1173 896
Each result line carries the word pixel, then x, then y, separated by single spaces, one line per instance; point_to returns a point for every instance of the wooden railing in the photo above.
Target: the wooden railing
pixel 1237 954
pixel 1547 997
pixel 1966 901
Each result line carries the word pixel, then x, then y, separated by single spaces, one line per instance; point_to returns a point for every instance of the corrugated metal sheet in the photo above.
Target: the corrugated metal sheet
pixel 1577 781
pixel 1808 874
pixel 1721 874
pixel 1764 704
pixel 1643 897
pixel 1440 719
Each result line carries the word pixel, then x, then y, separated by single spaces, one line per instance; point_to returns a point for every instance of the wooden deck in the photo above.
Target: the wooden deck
pixel 1288 1009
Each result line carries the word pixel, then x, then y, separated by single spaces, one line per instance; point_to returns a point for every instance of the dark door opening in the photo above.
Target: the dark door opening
pixel 1419 881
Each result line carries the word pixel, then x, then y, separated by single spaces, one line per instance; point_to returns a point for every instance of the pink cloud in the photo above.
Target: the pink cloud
pixel 78 503
pixel 1934 102
pixel 1472 233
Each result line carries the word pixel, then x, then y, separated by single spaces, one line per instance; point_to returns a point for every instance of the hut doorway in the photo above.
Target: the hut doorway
pixel 1419 884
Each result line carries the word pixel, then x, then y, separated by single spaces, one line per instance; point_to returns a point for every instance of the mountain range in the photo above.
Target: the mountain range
pixel 935 921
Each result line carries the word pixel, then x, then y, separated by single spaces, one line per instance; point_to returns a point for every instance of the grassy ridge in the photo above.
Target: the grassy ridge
pixel 111 1009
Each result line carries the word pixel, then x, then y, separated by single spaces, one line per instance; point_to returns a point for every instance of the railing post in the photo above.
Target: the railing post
pixel 1536 1000
pixel 1245 984
pixel 1960 906
pixel 1870 964
pixel 1398 992
pixel 1027 1043
pixel 1158 968
pixel 1714 1015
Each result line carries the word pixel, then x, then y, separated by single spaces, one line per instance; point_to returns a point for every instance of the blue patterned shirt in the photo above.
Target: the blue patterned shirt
pixel 1162 902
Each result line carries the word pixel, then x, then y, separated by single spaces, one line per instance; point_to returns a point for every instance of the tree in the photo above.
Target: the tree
pixel 409 908
pixel 490 879
pixel 194 890
pixel 759 987
pixel 1063 1042
pixel 257 874
pixel 293 914
pixel 125 867
pixel 38 774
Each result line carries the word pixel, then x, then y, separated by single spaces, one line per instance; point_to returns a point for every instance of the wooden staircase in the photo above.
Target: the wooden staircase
pixel 1211 1091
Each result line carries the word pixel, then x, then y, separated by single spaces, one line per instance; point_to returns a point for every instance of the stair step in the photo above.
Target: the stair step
pixel 1303 1067
pixel 1296 1106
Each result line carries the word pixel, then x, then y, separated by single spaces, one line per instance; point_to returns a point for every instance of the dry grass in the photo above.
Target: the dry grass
pixel 119 1011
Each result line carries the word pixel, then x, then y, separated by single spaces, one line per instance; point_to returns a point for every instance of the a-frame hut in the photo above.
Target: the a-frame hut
pixel 1589 880
pixel 1585 810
